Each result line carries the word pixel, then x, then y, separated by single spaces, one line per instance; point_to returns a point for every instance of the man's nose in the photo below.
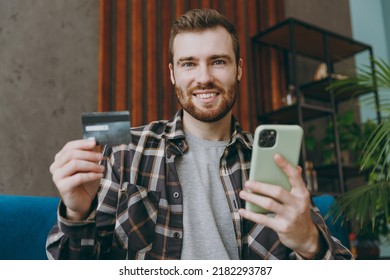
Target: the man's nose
pixel 204 75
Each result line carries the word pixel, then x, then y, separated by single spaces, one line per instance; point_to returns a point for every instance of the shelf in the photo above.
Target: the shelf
pixel 331 171
pixel 309 40
pixel 289 114
pixel 317 90
pixel 292 38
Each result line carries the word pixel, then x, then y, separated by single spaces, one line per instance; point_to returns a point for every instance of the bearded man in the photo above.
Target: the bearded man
pixel 177 190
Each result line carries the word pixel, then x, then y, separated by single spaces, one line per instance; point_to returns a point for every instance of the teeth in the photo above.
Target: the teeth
pixel 206 95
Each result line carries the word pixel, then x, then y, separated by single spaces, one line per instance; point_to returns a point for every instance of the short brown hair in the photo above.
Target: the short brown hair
pixel 199 20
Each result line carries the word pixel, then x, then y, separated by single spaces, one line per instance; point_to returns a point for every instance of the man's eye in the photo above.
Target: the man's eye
pixel 219 62
pixel 187 64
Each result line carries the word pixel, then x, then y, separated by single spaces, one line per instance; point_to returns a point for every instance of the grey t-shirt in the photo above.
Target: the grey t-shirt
pixel 208 228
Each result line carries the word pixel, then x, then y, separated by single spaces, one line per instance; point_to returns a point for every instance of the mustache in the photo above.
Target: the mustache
pixel 210 86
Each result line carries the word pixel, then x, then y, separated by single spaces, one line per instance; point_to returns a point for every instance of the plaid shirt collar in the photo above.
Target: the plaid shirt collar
pixel 174 132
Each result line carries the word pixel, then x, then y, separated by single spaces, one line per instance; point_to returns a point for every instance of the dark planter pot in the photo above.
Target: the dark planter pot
pixel 368 250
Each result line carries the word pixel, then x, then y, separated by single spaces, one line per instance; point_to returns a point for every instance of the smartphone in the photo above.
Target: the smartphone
pixel 285 140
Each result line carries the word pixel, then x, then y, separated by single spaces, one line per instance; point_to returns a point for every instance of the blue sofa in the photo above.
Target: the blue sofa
pixel 338 228
pixel 25 222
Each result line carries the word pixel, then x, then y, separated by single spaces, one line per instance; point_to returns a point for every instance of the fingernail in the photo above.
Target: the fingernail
pixel 91 139
pixel 242 194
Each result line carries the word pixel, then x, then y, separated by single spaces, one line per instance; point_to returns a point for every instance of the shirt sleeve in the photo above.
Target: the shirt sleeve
pixel 331 247
pixel 88 239
pixel 72 240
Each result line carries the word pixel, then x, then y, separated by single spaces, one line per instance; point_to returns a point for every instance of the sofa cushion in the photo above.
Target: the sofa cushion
pixel 25 222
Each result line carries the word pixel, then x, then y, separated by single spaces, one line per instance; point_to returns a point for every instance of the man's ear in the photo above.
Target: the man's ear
pixel 239 70
pixel 171 73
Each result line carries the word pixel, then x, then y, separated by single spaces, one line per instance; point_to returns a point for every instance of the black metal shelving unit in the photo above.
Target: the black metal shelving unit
pixel 293 38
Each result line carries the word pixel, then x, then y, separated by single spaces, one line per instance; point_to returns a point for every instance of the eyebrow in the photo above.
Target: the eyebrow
pixel 224 56
pixel 213 57
pixel 187 58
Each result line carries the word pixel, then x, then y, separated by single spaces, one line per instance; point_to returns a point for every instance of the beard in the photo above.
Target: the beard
pixel 208 113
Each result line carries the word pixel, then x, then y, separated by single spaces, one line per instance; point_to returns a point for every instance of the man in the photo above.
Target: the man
pixel 176 191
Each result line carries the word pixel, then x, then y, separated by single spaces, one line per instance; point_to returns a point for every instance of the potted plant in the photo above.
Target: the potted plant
pixel 367 207
pixel 352 137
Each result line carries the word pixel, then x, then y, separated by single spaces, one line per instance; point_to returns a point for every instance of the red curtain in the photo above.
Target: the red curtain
pixel 133 55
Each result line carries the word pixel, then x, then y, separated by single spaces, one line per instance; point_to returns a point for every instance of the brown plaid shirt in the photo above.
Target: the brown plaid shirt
pixel 138 212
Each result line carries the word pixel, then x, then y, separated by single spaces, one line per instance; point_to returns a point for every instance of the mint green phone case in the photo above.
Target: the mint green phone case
pixel 263 167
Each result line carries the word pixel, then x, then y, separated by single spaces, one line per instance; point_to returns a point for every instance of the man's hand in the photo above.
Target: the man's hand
pixel 292 221
pixel 76 174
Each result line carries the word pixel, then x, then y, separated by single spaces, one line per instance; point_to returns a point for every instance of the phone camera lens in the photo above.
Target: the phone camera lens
pixel 271 139
pixel 264 134
pixel 263 143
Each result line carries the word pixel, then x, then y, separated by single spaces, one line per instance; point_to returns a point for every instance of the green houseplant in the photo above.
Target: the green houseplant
pixel 368 207
pixel 352 137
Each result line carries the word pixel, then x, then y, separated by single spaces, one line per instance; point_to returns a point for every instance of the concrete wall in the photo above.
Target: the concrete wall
pixel 330 14
pixel 48 77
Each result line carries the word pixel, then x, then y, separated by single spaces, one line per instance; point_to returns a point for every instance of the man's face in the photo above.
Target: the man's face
pixel 205 73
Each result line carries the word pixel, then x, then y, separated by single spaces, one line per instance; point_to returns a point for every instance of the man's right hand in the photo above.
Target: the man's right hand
pixel 76 174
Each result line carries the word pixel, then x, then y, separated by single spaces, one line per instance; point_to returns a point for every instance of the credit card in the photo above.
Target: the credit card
pixel 108 128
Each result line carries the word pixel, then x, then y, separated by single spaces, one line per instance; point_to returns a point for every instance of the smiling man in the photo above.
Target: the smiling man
pixel 176 191
pixel 206 80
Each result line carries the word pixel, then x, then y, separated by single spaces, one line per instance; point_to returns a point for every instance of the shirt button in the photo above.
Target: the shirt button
pixel 176 195
pixel 176 235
